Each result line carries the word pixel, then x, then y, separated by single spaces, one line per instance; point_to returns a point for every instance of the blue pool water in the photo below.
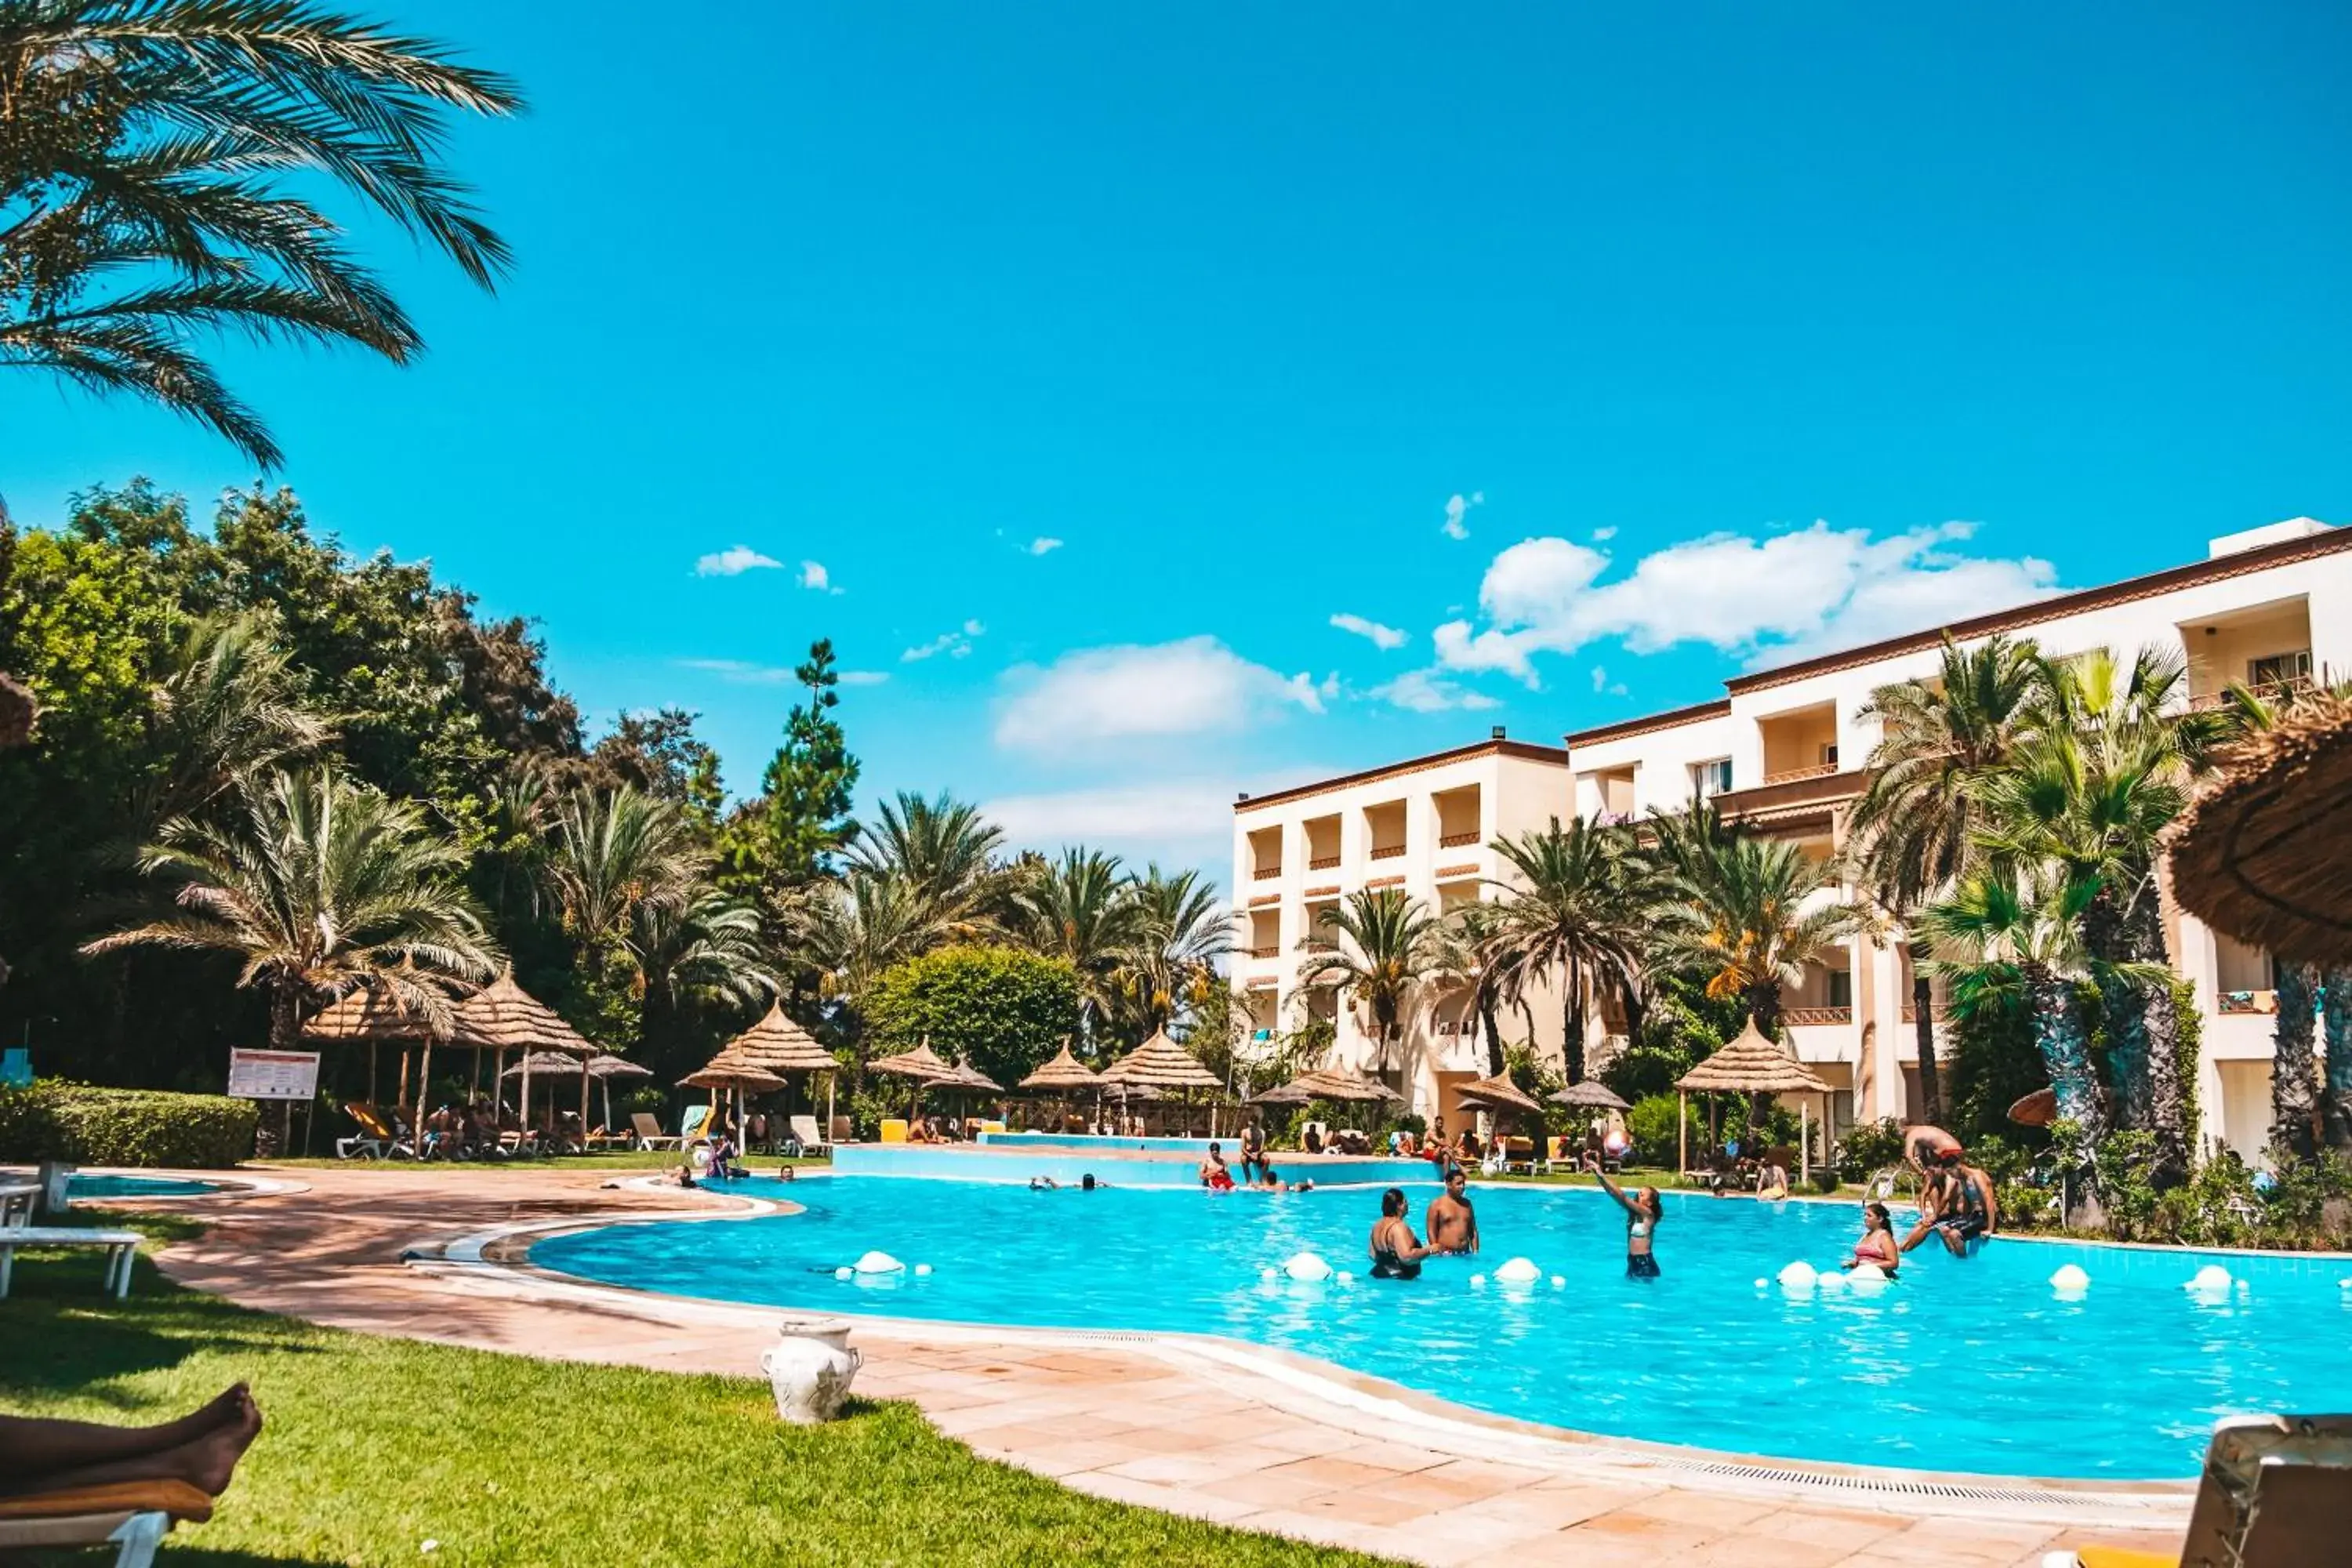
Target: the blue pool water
pixel 1961 1366
pixel 1088 1141
pixel 80 1186
pixel 1120 1169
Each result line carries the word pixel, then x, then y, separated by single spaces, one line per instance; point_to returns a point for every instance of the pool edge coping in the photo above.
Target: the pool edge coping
pixel 501 1254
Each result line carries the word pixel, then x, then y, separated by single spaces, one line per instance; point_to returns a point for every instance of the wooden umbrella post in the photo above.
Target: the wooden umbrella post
pixel 1682 1132
pixel 423 1077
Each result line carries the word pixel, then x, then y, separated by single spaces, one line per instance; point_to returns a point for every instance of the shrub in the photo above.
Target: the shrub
pixel 1651 1125
pixel 1869 1147
pixel 1002 1010
pixel 91 1126
pixel 1825 1182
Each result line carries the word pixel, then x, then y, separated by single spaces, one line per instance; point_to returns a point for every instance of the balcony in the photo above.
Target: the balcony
pixel 1274 952
pixel 1386 851
pixel 1803 1018
pixel 2248 1002
pixel 1795 776
pixel 1324 863
pixel 1938 1013
pixel 2265 647
pixel 1457 840
pixel 1267 873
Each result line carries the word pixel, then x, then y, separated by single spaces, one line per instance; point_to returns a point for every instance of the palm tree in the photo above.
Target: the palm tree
pixel 1735 910
pixel 1912 833
pixel 611 851
pixel 855 928
pixel 1181 929
pixel 705 951
pixel 2293 1087
pixel 148 153
pixel 944 849
pixel 229 707
pixel 1378 946
pixel 1994 933
pixel 1466 935
pixel 317 885
pixel 1081 908
pixel 1566 913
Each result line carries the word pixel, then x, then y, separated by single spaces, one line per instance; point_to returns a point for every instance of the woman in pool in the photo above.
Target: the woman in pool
pixel 1396 1251
pixel 1643 1211
pixel 1877 1244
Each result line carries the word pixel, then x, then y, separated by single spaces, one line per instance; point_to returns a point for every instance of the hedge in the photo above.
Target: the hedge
pixel 91 1126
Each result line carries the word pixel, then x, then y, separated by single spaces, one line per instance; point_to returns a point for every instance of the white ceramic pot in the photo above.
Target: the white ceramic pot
pixel 810 1367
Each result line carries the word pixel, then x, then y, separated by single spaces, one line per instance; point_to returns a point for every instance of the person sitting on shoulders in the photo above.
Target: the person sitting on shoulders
pixel 1213 1174
pixel 1877 1244
pixel 1396 1251
pixel 1451 1221
pixel 1771 1181
pixel 1957 1205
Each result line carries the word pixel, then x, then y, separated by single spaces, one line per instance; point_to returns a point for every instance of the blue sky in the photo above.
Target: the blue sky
pixel 1102 355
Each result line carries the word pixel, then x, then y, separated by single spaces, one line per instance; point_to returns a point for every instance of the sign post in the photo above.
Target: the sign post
pixel 282 1076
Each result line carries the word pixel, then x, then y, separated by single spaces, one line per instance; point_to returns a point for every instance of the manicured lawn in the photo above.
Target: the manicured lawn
pixel 375 1447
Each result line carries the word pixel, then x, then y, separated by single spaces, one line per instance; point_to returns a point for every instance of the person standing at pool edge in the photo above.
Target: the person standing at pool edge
pixel 1451 1221
pixel 1396 1251
pixel 1642 1215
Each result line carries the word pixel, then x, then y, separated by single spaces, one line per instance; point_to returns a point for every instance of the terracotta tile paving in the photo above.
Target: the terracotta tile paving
pixel 1157 1424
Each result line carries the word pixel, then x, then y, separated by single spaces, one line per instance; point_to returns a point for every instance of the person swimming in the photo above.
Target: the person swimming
pixel 1396 1251
pixel 1643 1211
pixel 1877 1244
pixel 1451 1221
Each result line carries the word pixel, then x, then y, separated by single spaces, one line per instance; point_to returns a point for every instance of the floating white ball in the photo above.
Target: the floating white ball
pixel 1559 1280
pixel 1799 1276
pixel 1477 1281
pixel 1830 1280
pixel 2210 1280
pixel 844 1272
pixel 1268 1275
pixel 1343 1276
pixel 1307 1268
pixel 1518 1272
pixel 1761 1282
pixel 1863 1273
pixel 878 1263
pixel 2071 1279
pixel 922 1268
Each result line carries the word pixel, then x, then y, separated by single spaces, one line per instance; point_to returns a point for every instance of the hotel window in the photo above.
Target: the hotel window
pixel 1841 987
pixel 1711 779
pixel 2280 668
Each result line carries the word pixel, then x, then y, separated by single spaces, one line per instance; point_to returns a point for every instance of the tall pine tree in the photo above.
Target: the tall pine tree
pixel 784 839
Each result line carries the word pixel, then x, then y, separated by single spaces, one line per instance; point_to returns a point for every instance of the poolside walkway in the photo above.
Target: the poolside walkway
pixel 1164 1424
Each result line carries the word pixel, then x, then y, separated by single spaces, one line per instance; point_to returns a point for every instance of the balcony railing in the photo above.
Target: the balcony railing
pixel 1801 1015
pixel 1457 840
pixel 1386 851
pixel 1323 863
pixel 2249 1001
pixel 1791 775
pixel 1274 952
pixel 1267 873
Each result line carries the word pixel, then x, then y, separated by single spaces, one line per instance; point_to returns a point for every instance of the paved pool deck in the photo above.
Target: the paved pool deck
pixel 1200 1427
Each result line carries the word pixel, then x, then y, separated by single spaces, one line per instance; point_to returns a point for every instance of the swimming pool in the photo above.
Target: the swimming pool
pixel 1091 1141
pixel 88 1186
pixel 1121 1167
pixel 1973 1365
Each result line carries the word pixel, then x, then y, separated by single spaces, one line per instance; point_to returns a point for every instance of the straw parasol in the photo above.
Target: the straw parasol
pixel 2265 855
pixel 970 1077
pixel 605 1068
pixel 369 1014
pixel 783 1047
pixel 1063 1074
pixel 1161 1066
pixel 502 1018
pixel 1752 1064
pixel 922 1065
pixel 1589 1095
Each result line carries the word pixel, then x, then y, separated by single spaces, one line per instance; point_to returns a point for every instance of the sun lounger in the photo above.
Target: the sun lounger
pixel 649 1132
pixel 132 1517
pixel 17 1201
pixel 375 1140
pixel 693 1126
pixel 121 1246
pixel 2274 1494
pixel 806 1134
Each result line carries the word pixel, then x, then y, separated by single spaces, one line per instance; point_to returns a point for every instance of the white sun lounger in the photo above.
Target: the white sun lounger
pixel 121 1246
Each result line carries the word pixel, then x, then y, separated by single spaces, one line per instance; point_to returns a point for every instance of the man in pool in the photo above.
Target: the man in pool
pixel 1451 1221
pixel 1396 1251
pixel 1213 1174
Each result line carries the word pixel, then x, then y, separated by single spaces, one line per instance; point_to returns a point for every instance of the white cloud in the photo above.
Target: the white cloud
pixel 814 576
pixel 733 562
pixel 863 677
pixel 1457 507
pixel 1184 808
pixel 1603 535
pixel 1425 691
pixel 1769 600
pixel 1600 679
pixel 1195 685
pixel 956 644
pixel 740 672
pixel 1044 544
pixel 1382 637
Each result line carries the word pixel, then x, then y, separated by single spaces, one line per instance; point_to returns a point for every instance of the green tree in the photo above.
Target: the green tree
pixel 1379 947
pixel 320 886
pixel 1565 911
pixel 787 837
pixel 660 755
pixel 150 152
pixel 1002 1010
pixel 1181 929
pixel 943 850
pixel 2006 943
pixel 1914 831
pixel 1081 909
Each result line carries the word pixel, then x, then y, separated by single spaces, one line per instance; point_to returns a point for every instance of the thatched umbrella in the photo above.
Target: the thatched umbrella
pixel 728 1071
pixel 921 1065
pixel 604 1069
pixel 502 1017
pixel 1752 1064
pixel 1499 1094
pixel 1590 1095
pixel 1159 1064
pixel 1065 1076
pixel 782 1047
pixel 371 1015
pixel 2265 855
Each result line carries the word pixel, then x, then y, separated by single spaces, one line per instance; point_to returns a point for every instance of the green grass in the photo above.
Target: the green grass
pixel 619 1159
pixel 375 1447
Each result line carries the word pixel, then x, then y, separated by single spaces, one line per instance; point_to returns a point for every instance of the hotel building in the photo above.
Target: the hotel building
pixel 1782 751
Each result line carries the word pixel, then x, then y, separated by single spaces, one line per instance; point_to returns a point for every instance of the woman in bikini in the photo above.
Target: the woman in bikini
pixel 1396 1251
pixel 1877 1244
pixel 1643 1211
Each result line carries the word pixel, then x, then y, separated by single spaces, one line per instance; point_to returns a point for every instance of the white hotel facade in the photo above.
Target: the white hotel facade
pixel 1782 751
